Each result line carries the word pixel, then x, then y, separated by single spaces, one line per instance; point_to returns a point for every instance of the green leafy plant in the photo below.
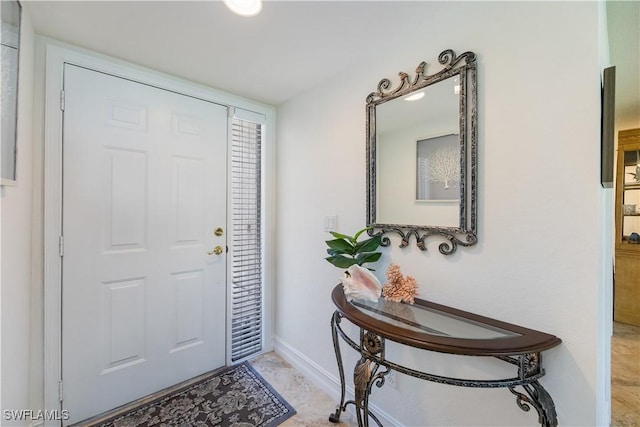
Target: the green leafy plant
pixel 345 251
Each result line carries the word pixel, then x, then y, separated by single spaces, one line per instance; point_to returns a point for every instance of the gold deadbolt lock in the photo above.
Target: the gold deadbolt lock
pixel 217 251
pixel 218 231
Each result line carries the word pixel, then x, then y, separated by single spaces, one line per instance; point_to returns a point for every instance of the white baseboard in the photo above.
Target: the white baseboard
pixel 324 380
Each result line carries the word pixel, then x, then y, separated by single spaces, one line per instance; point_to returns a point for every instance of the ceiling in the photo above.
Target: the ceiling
pixel 288 48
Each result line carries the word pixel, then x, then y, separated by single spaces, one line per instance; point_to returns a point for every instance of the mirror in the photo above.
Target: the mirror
pixel 631 197
pixel 422 155
pixel 10 41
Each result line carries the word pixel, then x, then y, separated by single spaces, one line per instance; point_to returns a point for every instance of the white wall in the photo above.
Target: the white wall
pixel 16 213
pixel 623 20
pixel 538 261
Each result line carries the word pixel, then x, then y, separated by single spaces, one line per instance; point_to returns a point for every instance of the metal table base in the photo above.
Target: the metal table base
pixel 373 367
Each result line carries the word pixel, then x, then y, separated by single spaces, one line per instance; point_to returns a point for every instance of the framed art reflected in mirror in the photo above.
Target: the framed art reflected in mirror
pixel 438 170
pixel 10 12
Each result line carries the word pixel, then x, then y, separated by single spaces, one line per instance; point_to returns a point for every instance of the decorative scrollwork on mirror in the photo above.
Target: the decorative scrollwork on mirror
pixel 422 155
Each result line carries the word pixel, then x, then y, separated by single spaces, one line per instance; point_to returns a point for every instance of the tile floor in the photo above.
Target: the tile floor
pixel 313 406
pixel 625 376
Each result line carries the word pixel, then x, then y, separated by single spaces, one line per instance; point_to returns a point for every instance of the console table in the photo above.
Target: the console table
pixel 434 327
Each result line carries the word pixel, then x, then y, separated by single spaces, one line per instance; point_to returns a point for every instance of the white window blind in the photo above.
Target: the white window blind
pixel 246 240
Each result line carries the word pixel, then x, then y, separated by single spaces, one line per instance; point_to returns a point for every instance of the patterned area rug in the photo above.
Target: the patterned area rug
pixel 236 396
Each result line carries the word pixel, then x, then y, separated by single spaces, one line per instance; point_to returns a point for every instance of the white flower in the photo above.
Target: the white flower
pixel 360 283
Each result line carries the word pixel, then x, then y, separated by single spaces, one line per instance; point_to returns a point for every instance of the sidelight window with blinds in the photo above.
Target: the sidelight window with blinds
pixel 245 261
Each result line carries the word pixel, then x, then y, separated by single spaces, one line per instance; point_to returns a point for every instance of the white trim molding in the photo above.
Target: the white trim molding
pixel 52 229
pixel 57 55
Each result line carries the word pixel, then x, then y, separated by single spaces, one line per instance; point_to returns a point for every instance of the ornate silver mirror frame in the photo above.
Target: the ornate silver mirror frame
pixel 462 230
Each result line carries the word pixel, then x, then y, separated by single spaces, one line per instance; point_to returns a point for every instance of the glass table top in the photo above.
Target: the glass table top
pixel 420 318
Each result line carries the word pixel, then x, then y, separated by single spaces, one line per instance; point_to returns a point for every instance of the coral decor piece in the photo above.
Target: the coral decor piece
pixel 360 283
pixel 399 288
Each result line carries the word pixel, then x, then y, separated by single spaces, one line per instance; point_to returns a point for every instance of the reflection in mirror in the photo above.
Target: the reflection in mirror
pixel 10 44
pixel 427 129
pixel 421 145
pixel 631 197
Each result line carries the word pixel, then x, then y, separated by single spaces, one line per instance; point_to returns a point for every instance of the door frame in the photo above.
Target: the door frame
pixel 58 54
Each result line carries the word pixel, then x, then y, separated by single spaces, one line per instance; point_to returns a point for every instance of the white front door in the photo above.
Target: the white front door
pixel 144 188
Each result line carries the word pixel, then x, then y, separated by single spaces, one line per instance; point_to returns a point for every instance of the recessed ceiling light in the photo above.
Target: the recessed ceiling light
pixel 244 7
pixel 414 97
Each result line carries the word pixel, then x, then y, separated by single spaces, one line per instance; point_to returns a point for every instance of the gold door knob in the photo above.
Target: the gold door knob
pixel 217 251
pixel 218 231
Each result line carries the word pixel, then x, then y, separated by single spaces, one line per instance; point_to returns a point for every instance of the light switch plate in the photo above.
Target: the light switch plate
pixel 330 223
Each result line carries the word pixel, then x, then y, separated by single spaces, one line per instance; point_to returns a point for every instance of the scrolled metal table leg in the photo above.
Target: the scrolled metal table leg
pixel 541 400
pixel 335 319
pixel 335 417
pixel 361 376
pixel 365 375
pixel 377 378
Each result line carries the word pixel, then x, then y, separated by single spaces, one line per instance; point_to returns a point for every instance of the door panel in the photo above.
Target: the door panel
pixel 144 186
